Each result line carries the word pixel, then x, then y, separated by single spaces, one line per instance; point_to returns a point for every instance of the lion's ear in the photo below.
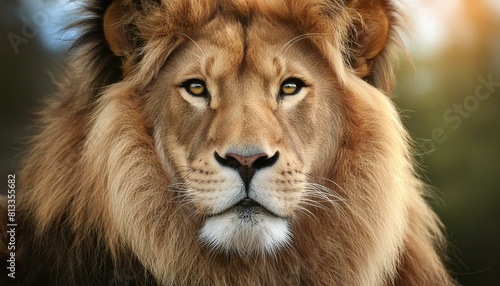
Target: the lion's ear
pixel 369 34
pixel 117 29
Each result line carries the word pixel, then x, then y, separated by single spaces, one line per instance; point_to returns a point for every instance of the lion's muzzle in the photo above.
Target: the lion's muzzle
pixel 246 165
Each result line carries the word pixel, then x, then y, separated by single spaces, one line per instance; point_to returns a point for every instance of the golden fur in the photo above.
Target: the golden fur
pixel 121 185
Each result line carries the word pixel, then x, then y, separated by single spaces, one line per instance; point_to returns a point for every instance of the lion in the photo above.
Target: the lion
pixel 230 142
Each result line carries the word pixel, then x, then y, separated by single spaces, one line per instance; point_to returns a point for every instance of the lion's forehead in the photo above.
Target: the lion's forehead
pixel 256 49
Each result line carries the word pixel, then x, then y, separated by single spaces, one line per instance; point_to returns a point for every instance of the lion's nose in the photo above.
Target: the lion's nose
pixel 247 165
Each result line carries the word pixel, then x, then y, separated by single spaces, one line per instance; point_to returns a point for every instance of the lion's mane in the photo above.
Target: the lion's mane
pixel 94 207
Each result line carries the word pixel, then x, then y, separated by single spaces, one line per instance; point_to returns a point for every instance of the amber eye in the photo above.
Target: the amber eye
pixel 291 86
pixel 195 87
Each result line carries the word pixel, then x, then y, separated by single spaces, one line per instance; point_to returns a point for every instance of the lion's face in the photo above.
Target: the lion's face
pixel 244 118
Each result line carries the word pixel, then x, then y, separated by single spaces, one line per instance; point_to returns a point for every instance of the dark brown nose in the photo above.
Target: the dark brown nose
pixel 247 165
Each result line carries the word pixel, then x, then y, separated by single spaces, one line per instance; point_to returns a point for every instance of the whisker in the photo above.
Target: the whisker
pixel 299 38
pixel 324 193
pixel 318 192
pixel 326 180
pixel 307 212
pixel 196 44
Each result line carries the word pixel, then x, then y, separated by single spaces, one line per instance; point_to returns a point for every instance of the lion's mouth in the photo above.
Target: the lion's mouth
pixel 247 209
pixel 248 203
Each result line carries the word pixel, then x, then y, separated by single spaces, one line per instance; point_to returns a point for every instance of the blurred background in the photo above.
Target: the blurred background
pixel 449 96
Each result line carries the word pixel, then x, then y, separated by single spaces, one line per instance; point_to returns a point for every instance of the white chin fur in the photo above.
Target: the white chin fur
pixel 257 234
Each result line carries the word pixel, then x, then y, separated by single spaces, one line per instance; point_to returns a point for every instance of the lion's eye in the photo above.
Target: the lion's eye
pixel 195 87
pixel 291 86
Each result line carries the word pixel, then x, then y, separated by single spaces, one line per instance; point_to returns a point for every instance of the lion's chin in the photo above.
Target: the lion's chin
pixel 246 231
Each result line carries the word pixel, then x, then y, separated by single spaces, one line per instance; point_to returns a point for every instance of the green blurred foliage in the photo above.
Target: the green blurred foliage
pixel 462 164
pixel 463 161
